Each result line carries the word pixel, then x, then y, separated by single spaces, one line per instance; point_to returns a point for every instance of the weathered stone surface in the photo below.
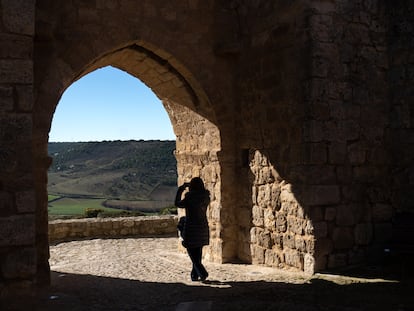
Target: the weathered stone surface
pixel 24 97
pixel 382 232
pixel 337 260
pixel 309 264
pixel 363 234
pixel 19 264
pixel 345 215
pixel 16 128
pixel 26 201
pixel 66 230
pixel 343 238
pixel 6 202
pixel 17 230
pixel 6 98
pixel 382 212
pixel 320 109
pixel 16 71
pixel 321 195
pixel 15 46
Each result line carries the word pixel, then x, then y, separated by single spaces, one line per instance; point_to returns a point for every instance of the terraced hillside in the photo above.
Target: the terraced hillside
pixel 125 170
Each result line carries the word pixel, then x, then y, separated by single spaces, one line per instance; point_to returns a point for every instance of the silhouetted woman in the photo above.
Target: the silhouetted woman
pixel 195 233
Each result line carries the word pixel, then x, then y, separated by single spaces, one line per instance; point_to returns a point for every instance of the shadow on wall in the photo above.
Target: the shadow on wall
pixel 303 217
pixel 86 292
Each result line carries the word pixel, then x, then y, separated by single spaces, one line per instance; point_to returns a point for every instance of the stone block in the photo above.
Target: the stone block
pixel 309 264
pixel 345 215
pixel 363 234
pixel 255 233
pixel 315 153
pixel 309 229
pixel 378 194
pixel 323 246
pixel 321 262
pixel 265 239
pixel 24 97
pixel 258 216
pixel 258 254
pixel 289 240
pixel 344 174
pixel 381 212
pixel 16 128
pixel 349 130
pixel 15 46
pixel 320 229
pixel 281 223
pixel 16 71
pixel 356 154
pixel 315 131
pixel 337 260
pixel 310 245
pixel 356 257
pixel 17 230
pixel 6 202
pixel 330 213
pixel 382 232
pixel 26 201
pixel 275 203
pixel 6 98
pixel 293 258
pixel 269 218
pixel 20 263
pixel 315 213
pixel 300 243
pixel 343 238
pixel 273 258
pixel 128 223
pixel 277 240
pixel 19 16
pixel 320 195
pixel 295 225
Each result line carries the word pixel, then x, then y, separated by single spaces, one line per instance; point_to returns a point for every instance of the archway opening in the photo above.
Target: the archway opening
pixel 198 139
pixel 111 144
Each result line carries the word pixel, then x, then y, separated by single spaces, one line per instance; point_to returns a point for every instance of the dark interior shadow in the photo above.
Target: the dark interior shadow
pixel 396 267
pixel 88 292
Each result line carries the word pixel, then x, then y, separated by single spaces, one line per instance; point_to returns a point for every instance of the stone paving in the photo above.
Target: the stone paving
pixel 152 274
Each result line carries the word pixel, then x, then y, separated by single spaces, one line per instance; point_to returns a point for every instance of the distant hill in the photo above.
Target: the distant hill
pixel 127 170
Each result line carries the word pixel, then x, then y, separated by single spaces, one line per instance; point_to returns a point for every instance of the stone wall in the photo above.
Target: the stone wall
pixel 297 115
pixel 71 229
pixel 401 117
pixel 317 141
pixel 345 131
pixel 18 250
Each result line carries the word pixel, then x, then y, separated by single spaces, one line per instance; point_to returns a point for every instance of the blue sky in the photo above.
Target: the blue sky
pixel 109 104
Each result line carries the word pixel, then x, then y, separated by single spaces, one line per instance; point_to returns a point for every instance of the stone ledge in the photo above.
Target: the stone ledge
pixel 72 229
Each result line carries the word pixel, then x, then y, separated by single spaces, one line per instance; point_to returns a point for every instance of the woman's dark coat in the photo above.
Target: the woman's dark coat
pixel 196 232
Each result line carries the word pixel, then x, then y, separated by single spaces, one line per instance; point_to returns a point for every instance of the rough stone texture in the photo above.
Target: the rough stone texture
pixel 67 230
pixel 297 114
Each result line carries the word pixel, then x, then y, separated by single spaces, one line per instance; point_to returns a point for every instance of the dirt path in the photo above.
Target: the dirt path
pixel 150 274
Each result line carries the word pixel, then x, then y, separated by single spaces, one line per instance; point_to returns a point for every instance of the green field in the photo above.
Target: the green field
pixel 66 206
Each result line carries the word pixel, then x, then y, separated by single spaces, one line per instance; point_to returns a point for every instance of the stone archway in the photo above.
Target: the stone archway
pixel 304 87
pixel 198 139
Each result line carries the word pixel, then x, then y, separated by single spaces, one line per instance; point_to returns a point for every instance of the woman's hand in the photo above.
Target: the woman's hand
pixel 184 185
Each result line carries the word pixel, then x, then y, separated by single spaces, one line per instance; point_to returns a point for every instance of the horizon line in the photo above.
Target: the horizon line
pixel 113 140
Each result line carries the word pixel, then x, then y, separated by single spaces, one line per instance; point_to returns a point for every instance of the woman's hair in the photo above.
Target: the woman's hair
pixel 196 184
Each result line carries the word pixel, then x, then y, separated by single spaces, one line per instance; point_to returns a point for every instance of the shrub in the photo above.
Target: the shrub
pixel 93 212
pixel 168 210
pixel 121 214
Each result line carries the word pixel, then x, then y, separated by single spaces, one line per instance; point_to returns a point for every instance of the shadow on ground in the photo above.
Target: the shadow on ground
pixel 87 292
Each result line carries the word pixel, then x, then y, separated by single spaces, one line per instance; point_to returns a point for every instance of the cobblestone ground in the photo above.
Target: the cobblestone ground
pixel 151 274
